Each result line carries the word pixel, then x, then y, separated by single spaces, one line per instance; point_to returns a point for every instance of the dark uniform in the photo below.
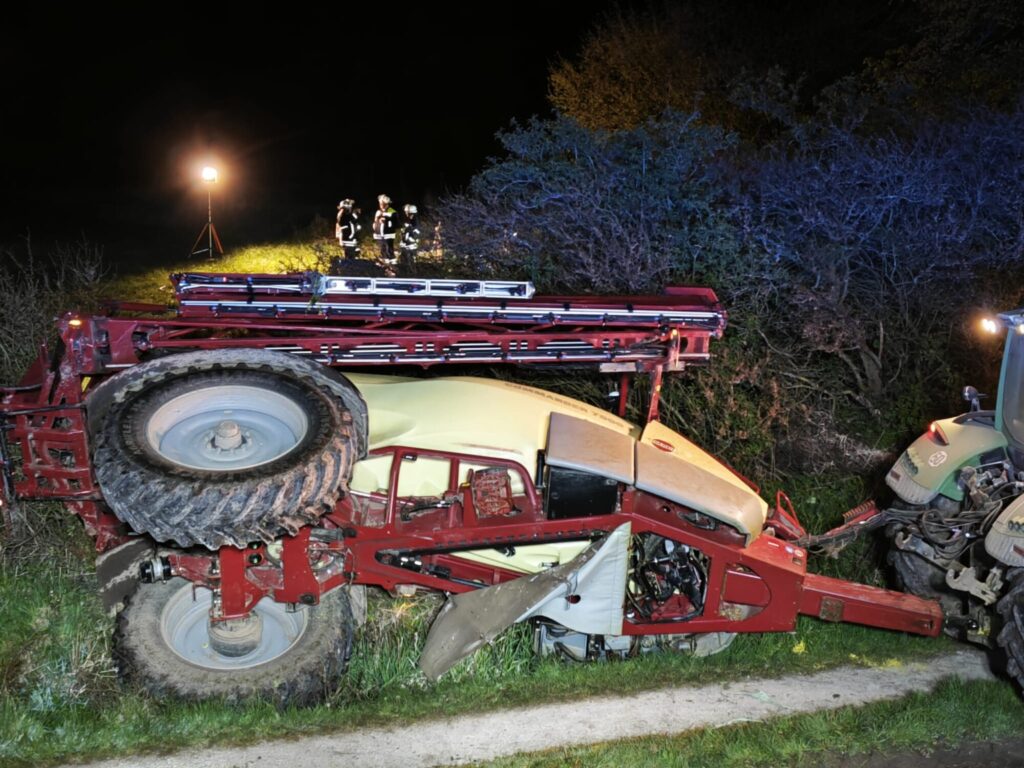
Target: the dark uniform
pixel 410 242
pixel 384 228
pixel 348 228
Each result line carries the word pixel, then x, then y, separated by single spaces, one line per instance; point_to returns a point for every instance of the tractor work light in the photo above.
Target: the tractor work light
pixel 990 325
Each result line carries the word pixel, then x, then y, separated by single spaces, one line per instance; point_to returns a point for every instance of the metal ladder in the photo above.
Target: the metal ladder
pixel 311 295
pixel 317 285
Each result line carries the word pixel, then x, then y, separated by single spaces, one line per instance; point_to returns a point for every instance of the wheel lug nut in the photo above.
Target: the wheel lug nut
pixel 227 435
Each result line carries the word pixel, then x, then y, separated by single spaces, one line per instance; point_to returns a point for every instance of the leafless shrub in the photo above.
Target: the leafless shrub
pixel 35 289
pixel 580 210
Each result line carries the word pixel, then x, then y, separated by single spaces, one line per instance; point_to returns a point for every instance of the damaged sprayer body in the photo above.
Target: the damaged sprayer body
pixel 242 492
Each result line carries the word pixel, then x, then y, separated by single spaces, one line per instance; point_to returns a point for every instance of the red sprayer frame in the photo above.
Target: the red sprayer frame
pixel 358 322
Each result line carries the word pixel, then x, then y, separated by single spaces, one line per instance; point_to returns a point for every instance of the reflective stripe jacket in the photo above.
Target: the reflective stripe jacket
pixel 384 224
pixel 410 234
pixel 348 226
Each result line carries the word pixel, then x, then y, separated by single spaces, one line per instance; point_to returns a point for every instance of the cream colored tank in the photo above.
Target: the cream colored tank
pixel 511 421
pixel 468 414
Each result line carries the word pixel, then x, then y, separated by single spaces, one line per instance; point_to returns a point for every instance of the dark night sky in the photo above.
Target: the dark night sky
pixel 102 130
pixel 108 112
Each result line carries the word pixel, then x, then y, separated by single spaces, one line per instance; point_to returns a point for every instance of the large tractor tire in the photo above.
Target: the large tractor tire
pixel 1011 636
pixel 162 644
pixel 917 576
pixel 225 447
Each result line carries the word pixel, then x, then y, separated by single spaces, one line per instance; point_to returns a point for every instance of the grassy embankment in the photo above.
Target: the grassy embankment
pixel 59 696
pixel 152 285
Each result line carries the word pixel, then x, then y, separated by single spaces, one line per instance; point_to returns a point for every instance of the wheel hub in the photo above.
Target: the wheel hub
pixel 226 427
pixel 227 436
pixel 269 632
pixel 236 637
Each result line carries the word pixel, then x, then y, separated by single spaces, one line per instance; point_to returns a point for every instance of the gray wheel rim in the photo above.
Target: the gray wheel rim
pixel 226 427
pixel 184 629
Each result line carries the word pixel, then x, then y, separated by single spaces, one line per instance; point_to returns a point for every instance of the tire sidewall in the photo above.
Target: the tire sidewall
pixel 306 672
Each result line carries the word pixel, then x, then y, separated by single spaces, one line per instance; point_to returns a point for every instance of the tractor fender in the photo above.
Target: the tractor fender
pixel 930 468
pixel 1005 539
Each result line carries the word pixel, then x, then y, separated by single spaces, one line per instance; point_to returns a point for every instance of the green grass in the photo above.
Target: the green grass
pixel 152 284
pixel 59 698
pixel 955 712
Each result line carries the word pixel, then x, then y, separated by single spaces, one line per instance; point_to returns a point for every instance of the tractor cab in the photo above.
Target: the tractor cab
pixel 1009 412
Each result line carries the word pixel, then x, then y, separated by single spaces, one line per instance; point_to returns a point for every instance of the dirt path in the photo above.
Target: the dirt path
pixel 483 737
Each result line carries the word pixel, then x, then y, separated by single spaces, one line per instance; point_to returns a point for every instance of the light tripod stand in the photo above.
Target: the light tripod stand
pixel 208 231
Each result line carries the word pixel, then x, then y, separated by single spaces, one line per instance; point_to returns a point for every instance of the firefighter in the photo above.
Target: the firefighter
pixel 410 242
pixel 384 229
pixel 347 228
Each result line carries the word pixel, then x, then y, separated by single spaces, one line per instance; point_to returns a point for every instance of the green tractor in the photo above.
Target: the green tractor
pixel 957 526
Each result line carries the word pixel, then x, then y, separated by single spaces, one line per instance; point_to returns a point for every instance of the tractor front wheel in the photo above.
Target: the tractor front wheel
pixel 1011 636
pixel 164 644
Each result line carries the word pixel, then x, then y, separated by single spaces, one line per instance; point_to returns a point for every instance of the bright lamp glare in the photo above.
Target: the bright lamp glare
pixel 989 325
pixel 209 174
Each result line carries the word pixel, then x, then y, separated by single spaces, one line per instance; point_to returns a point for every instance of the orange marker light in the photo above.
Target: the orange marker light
pixel 938 433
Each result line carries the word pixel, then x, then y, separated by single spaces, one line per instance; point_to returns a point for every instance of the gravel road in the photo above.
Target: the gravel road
pixel 673 710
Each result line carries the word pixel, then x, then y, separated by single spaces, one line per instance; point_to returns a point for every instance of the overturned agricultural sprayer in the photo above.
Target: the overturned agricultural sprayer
pixel 242 492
